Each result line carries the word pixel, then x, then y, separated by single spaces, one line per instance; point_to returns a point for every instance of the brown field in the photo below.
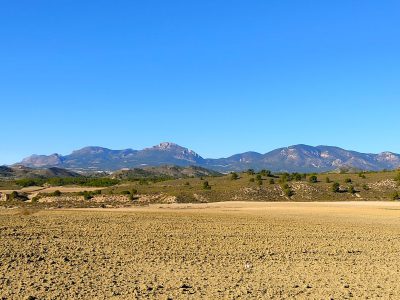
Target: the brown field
pixel 224 250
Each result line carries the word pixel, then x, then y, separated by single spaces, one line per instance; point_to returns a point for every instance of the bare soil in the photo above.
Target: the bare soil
pixel 230 250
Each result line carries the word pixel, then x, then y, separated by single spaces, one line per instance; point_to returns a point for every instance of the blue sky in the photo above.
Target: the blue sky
pixel 220 77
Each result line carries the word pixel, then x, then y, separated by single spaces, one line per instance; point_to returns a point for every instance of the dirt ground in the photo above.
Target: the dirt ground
pixel 225 250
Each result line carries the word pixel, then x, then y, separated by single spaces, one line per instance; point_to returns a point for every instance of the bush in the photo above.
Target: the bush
pixel 259 177
pixel 365 187
pixel 206 186
pixel 15 196
pixel 56 193
pixel 250 172
pixel 397 178
pixel 347 180
pixel 361 175
pixel 336 187
pixel 259 182
pixel 396 196
pixel 125 192
pixel 287 190
pixel 132 197
pixel 327 180
pixel 265 173
pixel 252 179
pixel 271 181
pixel 351 190
pixel 297 176
pixel 86 195
pixel 313 179
pixel 234 176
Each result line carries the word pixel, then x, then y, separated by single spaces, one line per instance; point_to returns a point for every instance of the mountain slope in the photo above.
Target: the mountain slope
pixel 297 158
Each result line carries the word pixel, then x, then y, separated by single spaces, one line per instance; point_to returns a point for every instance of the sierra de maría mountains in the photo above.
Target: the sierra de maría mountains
pixel 298 158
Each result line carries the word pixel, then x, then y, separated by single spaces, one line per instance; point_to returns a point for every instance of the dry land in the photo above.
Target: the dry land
pixel 228 250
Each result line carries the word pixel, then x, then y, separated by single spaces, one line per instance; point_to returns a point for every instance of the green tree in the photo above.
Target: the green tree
pixel 313 179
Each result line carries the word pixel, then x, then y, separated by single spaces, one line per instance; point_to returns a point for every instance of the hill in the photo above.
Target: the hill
pixel 164 171
pixel 20 171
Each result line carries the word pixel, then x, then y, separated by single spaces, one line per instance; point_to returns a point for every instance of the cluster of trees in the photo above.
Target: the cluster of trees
pixel 292 177
pixel 58 181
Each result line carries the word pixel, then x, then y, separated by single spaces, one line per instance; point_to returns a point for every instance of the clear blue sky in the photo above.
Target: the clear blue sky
pixel 220 77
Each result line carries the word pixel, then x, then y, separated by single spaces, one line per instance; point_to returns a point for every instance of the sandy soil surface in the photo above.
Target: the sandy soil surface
pixel 208 251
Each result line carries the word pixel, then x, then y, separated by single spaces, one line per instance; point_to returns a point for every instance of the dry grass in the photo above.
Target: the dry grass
pixel 209 251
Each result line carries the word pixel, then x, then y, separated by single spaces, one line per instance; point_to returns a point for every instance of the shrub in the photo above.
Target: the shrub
pixel 336 187
pixel 56 193
pixel 259 182
pixel 206 186
pixel 397 178
pixel 132 197
pixel 287 190
pixel 234 176
pixel 396 196
pixel 252 179
pixel 265 173
pixel 86 195
pixel 125 192
pixel 347 180
pixel 351 189
pixel 259 177
pixel 297 176
pixel 14 195
pixel 271 181
pixel 365 187
pixel 327 180
pixel 313 179
pixel 250 172
pixel 361 175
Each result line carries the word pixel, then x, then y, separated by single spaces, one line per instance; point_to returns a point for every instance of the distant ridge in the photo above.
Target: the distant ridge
pixel 297 158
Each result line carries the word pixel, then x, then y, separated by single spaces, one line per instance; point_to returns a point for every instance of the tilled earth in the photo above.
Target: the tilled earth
pixel 230 251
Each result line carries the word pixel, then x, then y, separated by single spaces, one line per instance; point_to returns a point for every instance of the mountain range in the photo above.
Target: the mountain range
pixel 297 158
